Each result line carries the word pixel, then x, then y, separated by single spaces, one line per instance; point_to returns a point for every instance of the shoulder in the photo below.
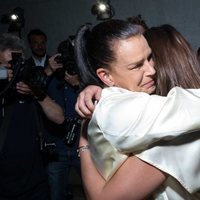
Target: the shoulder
pixel 122 98
pixel 118 109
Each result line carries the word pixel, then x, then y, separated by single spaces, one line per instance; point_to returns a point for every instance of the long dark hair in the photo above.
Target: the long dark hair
pixel 175 61
pixel 94 47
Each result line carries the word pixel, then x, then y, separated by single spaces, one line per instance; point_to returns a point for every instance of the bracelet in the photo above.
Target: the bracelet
pixel 82 149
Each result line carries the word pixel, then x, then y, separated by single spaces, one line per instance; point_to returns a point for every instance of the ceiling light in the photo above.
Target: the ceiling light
pixel 103 10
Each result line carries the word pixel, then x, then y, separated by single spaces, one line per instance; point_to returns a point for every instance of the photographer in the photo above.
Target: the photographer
pixel 64 89
pixel 21 164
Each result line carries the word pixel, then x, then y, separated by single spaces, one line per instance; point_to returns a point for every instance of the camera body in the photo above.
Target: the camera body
pixel 66 49
pixel 33 76
pixel 68 63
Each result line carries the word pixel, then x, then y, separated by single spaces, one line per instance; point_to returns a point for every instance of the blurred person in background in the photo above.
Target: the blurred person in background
pixel 22 169
pixel 63 88
pixel 37 40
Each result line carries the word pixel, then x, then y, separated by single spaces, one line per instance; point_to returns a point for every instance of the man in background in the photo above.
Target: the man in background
pixel 38 44
pixel 64 89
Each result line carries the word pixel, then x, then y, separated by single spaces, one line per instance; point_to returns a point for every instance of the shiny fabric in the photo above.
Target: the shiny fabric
pixel 162 131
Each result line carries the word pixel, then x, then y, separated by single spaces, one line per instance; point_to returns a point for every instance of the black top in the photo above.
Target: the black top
pixel 21 165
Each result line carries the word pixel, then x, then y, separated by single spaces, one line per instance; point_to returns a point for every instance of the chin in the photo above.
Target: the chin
pixel 151 90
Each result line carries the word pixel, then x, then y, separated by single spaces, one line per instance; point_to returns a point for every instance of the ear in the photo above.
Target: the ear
pixel 105 76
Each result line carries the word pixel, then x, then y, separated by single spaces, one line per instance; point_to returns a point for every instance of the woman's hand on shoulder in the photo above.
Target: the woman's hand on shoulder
pixel 86 100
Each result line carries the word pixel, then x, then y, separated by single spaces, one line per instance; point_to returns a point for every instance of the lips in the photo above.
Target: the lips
pixel 149 84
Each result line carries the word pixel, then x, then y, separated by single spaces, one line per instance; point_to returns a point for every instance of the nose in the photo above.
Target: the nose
pixel 149 67
pixel 40 46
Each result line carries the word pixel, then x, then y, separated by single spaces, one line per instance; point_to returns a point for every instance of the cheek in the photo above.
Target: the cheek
pixel 118 80
pixel 131 81
pixel 6 56
pixel 152 63
pixel 136 81
pixel 138 77
pixel 33 46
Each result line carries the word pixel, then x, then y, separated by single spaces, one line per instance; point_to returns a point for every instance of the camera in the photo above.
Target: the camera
pixel 68 64
pixel 66 49
pixel 34 76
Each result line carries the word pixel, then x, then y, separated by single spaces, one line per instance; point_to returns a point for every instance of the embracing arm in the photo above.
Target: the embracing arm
pixel 85 102
pixel 134 180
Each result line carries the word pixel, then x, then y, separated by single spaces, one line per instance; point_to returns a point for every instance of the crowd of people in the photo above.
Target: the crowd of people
pixel 37 120
pixel 118 102
pixel 63 88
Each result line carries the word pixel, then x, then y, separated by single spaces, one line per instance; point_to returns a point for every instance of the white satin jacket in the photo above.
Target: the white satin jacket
pixel 162 131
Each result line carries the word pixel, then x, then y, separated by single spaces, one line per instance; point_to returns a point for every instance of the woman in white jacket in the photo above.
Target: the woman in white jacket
pixel 127 120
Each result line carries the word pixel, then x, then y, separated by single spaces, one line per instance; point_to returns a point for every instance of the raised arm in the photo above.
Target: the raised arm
pixel 134 180
pixel 51 109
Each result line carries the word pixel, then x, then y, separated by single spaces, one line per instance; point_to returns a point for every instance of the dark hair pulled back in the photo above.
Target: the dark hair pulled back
pixel 94 47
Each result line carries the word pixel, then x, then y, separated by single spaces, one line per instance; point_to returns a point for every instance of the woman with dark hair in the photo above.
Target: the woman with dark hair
pixel 128 121
pixel 175 60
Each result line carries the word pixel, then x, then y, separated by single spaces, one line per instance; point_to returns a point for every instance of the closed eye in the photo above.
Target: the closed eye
pixel 150 57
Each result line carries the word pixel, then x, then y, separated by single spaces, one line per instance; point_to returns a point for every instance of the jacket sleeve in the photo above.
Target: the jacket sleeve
pixel 133 121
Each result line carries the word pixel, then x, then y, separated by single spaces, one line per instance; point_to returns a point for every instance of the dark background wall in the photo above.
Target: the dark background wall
pixel 60 18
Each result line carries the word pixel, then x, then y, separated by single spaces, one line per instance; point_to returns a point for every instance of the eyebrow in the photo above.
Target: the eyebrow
pixel 139 61
pixel 136 62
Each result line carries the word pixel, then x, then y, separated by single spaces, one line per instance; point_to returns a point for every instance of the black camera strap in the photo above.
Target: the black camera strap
pixel 5 124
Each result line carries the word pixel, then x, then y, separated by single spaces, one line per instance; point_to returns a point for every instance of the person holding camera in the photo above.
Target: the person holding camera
pixel 22 170
pixel 64 89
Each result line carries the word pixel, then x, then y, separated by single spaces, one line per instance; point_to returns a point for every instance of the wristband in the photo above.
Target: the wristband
pixel 82 149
